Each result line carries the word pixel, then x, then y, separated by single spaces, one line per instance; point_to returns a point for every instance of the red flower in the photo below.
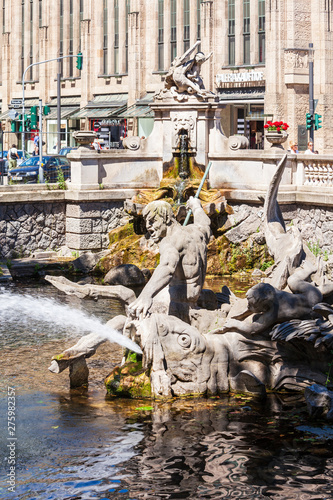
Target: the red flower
pixel 272 126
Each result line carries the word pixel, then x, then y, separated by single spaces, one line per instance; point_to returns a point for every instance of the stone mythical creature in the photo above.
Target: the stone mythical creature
pixel 184 73
pixel 277 340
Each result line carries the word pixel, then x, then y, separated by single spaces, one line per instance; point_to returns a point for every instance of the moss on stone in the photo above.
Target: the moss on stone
pixel 129 381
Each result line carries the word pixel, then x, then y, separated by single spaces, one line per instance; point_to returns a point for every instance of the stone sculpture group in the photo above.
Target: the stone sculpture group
pixel 279 337
pixel 274 339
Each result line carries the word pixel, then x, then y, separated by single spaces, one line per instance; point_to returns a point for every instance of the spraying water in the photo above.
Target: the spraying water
pixel 34 315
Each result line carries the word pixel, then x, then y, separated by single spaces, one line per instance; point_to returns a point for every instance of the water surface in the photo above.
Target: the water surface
pixel 84 445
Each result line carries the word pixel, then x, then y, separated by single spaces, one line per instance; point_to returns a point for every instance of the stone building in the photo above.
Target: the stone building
pixel 259 67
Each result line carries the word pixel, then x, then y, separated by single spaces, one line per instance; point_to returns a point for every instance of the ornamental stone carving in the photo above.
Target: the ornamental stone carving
pixel 184 121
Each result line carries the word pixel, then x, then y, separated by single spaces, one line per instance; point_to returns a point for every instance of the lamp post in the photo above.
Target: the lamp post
pixel 79 56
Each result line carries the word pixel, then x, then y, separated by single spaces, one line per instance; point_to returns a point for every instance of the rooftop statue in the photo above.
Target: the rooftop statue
pixel 184 78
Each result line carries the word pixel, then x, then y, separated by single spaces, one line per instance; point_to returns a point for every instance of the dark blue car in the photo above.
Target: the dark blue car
pixel 27 172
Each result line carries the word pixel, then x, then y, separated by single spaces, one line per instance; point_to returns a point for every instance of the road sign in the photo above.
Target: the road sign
pixel 16 106
pixel 15 102
pixel 315 102
pixel 13 114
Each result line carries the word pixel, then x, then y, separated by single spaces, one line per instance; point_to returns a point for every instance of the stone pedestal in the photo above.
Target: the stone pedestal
pixel 201 120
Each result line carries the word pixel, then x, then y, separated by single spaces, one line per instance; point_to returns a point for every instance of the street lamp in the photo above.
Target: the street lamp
pixel 58 105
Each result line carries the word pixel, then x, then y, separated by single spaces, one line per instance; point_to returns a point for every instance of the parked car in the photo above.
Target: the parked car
pixel 65 151
pixel 27 172
pixel 4 162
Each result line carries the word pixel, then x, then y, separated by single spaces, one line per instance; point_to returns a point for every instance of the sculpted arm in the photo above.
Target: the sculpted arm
pixel 259 324
pixel 169 259
pixel 189 51
pixel 199 217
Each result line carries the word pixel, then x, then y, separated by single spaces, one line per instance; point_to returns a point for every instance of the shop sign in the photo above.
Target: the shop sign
pixel 109 122
pixel 97 126
pixel 239 77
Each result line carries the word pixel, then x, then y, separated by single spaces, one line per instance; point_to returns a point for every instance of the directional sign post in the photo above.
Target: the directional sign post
pixel 16 102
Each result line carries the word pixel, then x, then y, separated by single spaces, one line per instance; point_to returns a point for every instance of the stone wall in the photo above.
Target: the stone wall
pixel 88 224
pixel 26 227
pixel 315 224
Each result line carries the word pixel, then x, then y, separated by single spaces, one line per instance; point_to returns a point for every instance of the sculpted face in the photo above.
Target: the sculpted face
pixel 156 227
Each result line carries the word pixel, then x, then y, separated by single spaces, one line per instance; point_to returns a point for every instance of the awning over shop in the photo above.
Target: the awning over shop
pixel 103 106
pixel 5 115
pixel 98 112
pixel 65 113
pixel 140 109
pixel 108 101
pixel 65 101
pixel 241 95
pixel 136 111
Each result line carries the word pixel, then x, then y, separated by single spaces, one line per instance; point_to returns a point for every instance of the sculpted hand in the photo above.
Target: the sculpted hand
pixel 230 325
pixel 193 203
pixel 139 308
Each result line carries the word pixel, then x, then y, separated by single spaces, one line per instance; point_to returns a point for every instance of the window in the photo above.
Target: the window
pixel 81 19
pixel 246 31
pixel 61 34
pixel 160 57
pixel 116 36
pixel 261 34
pixel 173 38
pixel 22 39
pixel 198 20
pixel 105 37
pixel 71 37
pixel 128 9
pixel 231 32
pixel 3 16
pixel 40 14
pixel 31 38
pixel 186 8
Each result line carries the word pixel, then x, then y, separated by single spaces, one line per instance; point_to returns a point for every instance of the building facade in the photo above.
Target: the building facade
pixel 259 67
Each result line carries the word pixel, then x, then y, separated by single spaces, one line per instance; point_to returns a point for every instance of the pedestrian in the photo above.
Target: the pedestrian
pixel 12 157
pixel 293 147
pixel 121 145
pixel 36 145
pixel 310 148
pixel 96 145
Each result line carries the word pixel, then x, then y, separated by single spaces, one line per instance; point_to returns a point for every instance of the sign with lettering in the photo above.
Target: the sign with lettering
pixel 239 76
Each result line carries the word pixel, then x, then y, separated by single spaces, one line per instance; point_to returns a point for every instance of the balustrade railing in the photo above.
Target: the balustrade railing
pixel 318 172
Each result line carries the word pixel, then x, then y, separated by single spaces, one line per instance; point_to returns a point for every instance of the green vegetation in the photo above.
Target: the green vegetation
pixel 328 373
pixel 61 179
pixel 266 265
pixel 317 251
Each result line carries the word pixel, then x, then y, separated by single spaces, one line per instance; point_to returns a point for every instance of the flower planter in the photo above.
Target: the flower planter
pixel 276 138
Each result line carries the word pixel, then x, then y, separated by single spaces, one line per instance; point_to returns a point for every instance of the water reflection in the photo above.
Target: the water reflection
pixel 83 445
pixel 87 447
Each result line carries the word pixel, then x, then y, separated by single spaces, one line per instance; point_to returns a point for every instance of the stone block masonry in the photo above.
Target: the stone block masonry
pixel 26 227
pixel 88 224
pixel 34 219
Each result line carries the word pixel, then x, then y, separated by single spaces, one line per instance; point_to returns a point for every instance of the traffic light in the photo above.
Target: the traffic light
pixel 27 123
pixel 317 122
pixel 13 127
pixel 33 112
pixel 79 60
pixel 309 121
pixel 46 110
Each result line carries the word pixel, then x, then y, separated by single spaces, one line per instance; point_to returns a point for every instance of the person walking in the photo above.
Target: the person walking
pixel 310 148
pixel 12 157
pixel 293 147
